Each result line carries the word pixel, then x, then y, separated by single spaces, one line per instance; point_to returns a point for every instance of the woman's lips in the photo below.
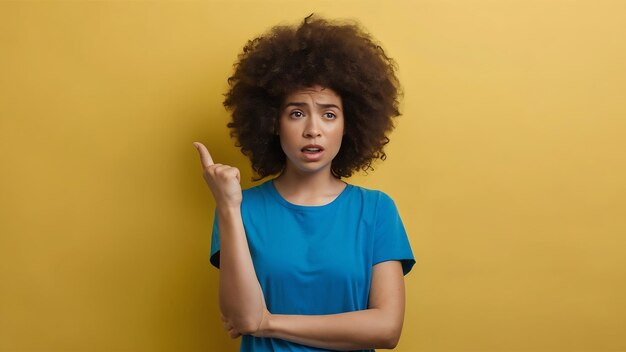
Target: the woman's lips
pixel 312 153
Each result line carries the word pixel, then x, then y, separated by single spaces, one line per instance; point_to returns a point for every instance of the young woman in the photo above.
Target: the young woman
pixel 307 261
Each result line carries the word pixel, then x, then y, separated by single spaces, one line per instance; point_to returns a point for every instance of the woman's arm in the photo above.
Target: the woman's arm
pixel 379 326
pixel 240 294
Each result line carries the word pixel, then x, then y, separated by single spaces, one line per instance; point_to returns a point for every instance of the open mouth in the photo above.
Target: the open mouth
pixel 312 149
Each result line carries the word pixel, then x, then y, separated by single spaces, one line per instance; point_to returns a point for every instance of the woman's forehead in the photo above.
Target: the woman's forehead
pixel 314 92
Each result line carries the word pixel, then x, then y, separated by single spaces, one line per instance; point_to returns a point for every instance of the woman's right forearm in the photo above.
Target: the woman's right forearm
pixel 240 294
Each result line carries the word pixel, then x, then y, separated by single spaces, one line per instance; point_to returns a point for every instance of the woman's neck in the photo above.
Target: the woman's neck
pixel 315 188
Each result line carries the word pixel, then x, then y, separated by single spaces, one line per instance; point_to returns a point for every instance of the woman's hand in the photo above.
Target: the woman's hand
pixel 223 180
pixel 232 332
pixel 261 331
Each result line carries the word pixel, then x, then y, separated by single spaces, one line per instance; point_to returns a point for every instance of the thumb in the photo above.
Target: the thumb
pixel 205 156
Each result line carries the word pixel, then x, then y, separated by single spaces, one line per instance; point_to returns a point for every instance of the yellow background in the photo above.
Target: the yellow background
pixel 508 167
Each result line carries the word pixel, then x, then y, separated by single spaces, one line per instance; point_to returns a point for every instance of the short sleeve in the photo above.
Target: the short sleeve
pixel 214 258
pixel 390 238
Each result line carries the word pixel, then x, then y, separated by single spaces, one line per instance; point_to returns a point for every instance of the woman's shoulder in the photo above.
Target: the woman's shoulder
pixel 370 193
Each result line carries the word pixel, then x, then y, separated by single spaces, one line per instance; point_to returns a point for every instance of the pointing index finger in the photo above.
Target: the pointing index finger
pixel 205 156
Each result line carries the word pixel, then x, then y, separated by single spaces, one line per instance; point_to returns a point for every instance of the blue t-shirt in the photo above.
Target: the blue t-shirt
pixel 317 260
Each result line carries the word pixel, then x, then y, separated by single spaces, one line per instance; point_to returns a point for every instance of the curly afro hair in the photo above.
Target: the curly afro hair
pixel 339 56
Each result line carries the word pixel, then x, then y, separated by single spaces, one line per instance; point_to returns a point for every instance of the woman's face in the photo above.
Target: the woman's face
pixel 311 126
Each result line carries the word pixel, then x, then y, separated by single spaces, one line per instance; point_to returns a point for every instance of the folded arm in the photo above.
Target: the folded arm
pixel 379 326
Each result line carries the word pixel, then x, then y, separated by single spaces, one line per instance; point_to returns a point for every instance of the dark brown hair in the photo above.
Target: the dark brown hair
pixel 340 56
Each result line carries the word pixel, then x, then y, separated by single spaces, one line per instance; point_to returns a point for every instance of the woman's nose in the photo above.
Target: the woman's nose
pixel 312 129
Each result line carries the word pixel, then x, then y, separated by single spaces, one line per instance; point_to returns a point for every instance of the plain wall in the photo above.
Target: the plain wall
pixel 507 167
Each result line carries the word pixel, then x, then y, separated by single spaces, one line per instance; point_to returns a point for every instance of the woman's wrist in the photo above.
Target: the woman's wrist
pixel 228 209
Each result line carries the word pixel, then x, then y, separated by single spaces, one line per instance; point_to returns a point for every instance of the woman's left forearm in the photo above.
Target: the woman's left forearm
pixel 363 329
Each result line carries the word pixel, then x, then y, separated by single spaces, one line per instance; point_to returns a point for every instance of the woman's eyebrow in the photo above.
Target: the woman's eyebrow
pixel 294 103
pixel 328 106
pixel 301 104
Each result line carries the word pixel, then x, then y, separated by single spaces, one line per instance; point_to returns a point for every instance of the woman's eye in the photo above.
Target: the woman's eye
pixel 296 114
pixel 330 115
